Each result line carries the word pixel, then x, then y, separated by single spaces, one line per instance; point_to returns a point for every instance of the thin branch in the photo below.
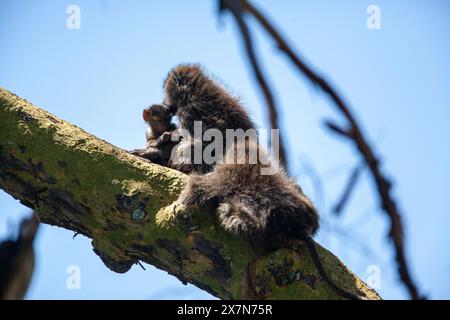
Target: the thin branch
pixel 333 127
pixel 350 186
pixel 383 185
pixel 235 9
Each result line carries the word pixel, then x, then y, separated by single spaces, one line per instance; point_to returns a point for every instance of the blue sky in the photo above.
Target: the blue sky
pixel 396 79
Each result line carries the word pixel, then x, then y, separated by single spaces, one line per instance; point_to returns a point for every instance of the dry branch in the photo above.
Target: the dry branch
pixel 262 82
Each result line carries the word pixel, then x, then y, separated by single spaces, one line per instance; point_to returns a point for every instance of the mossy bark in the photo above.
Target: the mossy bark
pixel 125 205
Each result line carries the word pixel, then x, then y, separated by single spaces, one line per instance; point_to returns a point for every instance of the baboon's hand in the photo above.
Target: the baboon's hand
pixel 137 152
pixel 149 153
pixel 165 137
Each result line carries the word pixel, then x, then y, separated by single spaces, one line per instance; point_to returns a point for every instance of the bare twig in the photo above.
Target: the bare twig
pixel 383 185
pixel 350 186
pixel 337 130
pixel 235 9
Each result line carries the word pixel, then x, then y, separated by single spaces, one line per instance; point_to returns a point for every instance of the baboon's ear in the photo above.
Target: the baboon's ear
pixel 146 115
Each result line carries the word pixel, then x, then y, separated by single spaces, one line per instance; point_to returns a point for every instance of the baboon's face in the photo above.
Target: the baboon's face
pixel 156 112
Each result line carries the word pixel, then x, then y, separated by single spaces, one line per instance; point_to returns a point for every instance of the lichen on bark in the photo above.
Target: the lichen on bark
pixel 126 206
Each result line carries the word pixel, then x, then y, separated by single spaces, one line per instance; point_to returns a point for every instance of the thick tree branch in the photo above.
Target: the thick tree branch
pixel 79 182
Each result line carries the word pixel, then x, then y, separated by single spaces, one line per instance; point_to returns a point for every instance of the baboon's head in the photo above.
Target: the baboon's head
pixel 158 118
pixel 184 84
pixel 156 112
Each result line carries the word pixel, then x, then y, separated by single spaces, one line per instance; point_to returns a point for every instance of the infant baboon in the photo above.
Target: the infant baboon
pixel 159 132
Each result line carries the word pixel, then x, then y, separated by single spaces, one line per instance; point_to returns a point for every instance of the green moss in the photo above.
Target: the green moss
pixel 107 184
pixel 92 223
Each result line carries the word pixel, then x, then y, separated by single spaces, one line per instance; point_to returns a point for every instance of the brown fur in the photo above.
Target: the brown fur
pixel 159 132
pixel 193 96
pixel 266 210
pixel 269 211
pixel 256 207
